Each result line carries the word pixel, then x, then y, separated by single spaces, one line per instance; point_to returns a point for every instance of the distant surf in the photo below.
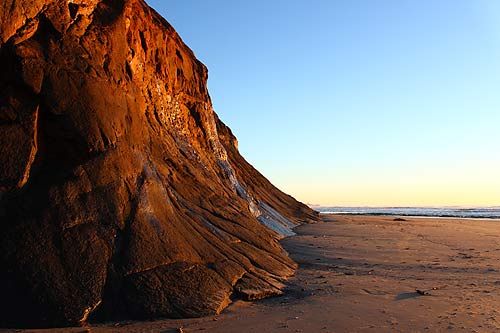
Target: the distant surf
pixel 457 212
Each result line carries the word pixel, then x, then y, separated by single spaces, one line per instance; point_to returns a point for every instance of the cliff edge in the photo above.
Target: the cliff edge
pixel 122 195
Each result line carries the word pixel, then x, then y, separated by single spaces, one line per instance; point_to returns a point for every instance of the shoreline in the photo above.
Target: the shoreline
pixel 367 274
pixel 413 216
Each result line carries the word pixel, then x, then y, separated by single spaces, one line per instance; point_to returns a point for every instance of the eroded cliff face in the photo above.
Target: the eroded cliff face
pixel 122 195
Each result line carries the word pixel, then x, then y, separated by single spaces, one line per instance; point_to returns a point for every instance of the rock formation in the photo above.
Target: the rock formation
pixel 122 195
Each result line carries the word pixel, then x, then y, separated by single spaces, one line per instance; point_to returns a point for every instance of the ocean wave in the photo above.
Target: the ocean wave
pixel 459 212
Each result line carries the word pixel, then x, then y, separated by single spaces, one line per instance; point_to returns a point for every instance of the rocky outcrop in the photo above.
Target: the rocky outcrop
pixel 122 195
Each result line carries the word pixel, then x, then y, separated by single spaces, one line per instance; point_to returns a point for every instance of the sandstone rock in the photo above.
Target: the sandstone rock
pixel 122 195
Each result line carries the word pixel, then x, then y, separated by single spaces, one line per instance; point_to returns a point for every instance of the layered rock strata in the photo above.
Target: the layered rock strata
pixel 122 195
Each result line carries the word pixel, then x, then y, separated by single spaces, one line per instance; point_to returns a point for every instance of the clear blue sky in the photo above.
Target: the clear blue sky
pixel 357 102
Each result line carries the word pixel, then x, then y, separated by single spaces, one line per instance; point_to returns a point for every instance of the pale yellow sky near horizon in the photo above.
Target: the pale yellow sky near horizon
pixel 464 184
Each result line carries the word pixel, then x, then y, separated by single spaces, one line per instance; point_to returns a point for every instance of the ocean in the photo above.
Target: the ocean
pixel 459 212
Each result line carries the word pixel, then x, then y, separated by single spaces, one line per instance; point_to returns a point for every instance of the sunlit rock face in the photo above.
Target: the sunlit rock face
pixel 122 195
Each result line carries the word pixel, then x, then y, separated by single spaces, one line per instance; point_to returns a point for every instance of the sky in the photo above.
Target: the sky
pixel 357 102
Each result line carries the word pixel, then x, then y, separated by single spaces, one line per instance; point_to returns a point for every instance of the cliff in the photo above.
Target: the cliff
pixel 122 195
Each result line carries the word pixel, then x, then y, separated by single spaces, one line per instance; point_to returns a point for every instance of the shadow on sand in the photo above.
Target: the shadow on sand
pixel 403 296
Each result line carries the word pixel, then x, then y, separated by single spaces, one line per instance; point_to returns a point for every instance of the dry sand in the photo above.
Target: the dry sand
pixel 361 273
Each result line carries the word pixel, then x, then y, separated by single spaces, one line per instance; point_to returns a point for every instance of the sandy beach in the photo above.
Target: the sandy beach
pixel 369 274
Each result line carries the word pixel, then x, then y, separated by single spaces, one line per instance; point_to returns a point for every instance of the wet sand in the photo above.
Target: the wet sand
pixel 362 273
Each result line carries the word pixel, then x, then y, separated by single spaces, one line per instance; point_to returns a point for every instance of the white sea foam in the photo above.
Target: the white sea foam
pixel 459 212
